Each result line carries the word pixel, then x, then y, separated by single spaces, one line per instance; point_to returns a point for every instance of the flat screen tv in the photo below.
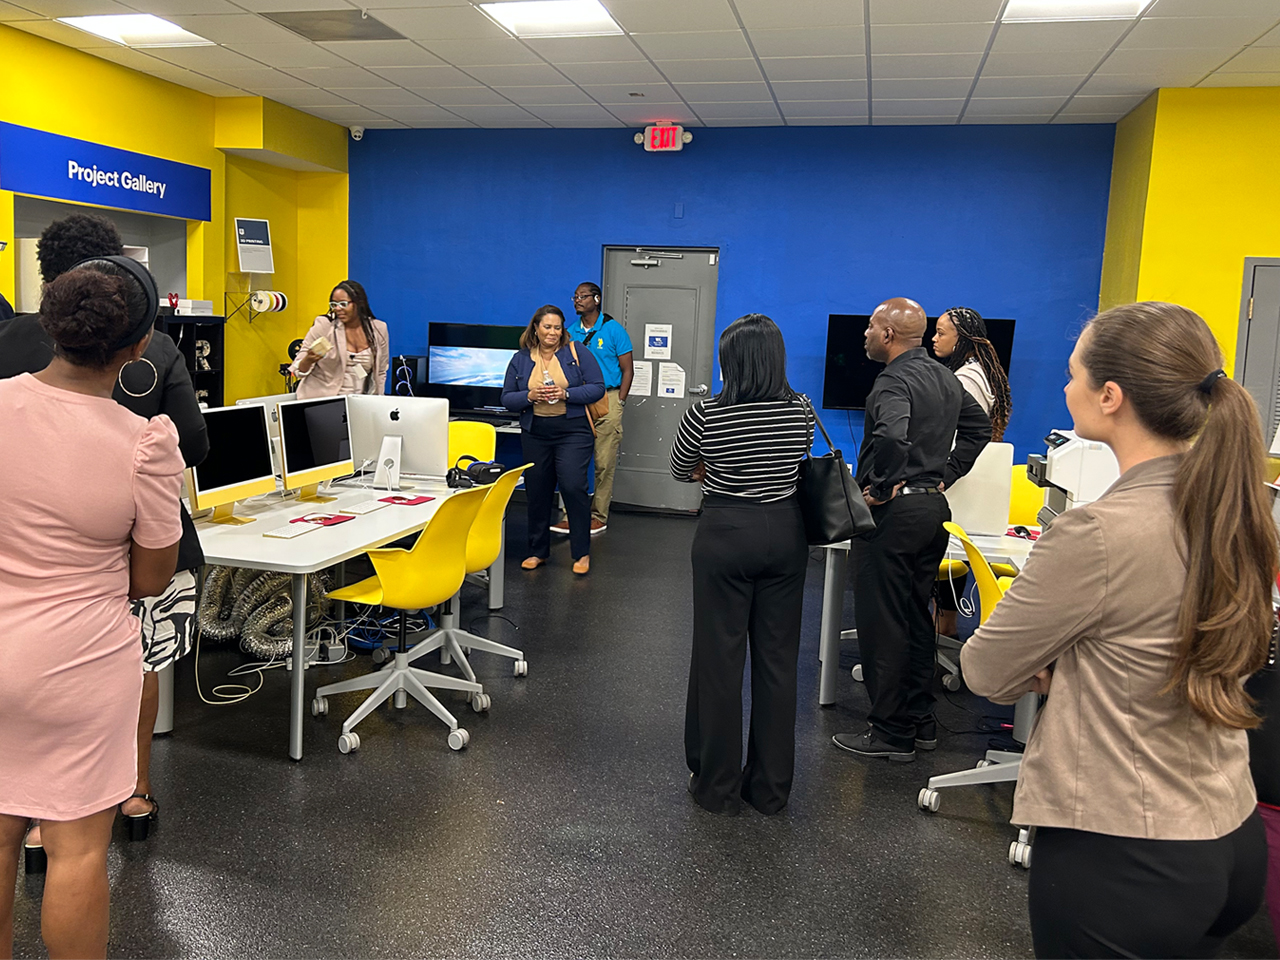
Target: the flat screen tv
pixel 850 374
pixel 465 364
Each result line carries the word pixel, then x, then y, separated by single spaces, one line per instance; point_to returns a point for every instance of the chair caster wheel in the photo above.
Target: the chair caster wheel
pixel 984 763
pixel 401 699
pixel 1020 854
pixel 458 739
pixel 380 655
pixel 480 702
pixel 521 668
pixel 349 743
pixel 928 800
pixel 320 707
pixel 857 672
pixel 951 682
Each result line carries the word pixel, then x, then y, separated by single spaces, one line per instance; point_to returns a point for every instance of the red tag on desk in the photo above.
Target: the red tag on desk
pixel 323 519
pixel 407 501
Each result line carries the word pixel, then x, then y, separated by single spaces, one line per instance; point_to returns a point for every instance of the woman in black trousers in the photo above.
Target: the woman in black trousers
pixel 549 383
pixel 749 560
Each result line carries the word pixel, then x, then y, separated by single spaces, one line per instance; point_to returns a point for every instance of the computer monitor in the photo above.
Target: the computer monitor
pixel 465 364
pixel 238 464
pixel 850 373
pixel 421 422
pixel 271 402
pixel 315 444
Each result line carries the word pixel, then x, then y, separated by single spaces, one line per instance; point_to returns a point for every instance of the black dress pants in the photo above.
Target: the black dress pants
pixel 560 450
pixel 1094 895
pixel 749 563
pixel 894 568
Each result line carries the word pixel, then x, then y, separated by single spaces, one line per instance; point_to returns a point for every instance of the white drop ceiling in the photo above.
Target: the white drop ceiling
pixel 700 62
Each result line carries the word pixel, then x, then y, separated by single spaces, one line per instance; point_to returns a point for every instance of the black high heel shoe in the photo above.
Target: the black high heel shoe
pixel 34 859
pixel 139 824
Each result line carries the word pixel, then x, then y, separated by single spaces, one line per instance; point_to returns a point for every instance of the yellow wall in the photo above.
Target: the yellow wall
pixel 1212 199
pixel 1130 176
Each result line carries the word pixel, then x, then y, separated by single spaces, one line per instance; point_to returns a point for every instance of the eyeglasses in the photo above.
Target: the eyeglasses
pixel 339 304
pixel 583 296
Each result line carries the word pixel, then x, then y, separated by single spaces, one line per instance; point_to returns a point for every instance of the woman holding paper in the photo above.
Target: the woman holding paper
pixel 346 351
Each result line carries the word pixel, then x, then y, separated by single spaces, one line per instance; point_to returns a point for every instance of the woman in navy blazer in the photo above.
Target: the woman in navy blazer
pixel 549 383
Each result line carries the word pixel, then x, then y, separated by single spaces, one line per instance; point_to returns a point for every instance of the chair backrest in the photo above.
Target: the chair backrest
pixel 1025 498
pixel 989 589
pixel 433 569
pixel 980 499
pixel 471 438
pixel 484 543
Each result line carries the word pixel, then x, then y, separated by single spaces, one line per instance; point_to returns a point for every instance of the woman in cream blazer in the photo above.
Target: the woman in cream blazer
pixel 347 350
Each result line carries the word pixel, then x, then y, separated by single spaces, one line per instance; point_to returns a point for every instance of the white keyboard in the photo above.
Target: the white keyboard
pixel 361 508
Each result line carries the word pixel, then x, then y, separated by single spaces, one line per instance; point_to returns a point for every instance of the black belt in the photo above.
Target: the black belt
pixel 907 491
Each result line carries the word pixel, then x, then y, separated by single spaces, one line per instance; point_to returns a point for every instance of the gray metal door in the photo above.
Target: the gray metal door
pixel 1258 345
pixel 649 290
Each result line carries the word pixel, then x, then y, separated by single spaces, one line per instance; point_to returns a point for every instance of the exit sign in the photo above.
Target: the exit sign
pixel 665 137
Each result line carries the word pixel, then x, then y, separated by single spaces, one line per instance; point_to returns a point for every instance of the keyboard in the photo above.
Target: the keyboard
pixel 361 508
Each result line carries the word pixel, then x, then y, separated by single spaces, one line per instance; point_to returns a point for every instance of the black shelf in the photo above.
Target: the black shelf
pixel 189 332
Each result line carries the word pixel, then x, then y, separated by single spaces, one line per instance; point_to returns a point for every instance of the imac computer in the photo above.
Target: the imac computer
pixel 419 427
pixel 315 444
pixel 238 464
pixel 273 420
pixel 465 364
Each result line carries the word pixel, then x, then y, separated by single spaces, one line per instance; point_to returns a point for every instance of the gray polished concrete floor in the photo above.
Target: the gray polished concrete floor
pixel 564 829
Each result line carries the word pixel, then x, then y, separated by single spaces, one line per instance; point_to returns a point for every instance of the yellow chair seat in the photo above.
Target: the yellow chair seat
pixel 1004 570
pixel 952 570
pixel 368 590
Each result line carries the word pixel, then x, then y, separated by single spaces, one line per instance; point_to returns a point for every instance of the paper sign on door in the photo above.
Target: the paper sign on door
pixel 657 341
pixel 671 381
pixel 642 381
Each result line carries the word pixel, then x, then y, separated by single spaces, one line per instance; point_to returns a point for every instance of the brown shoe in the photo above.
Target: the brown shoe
pixel 598 526
pixel 582 565
pixel 532 563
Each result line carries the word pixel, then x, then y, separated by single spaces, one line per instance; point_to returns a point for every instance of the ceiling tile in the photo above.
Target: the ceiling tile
pixel 1116 106
pixel 825 108
pixel 614 72
pixel 910 67
pixel 1241 80
pixel 930 11
pixel 392 4
pixel 1014 106
pixel 482 113
pixel 1106 85
pixel 464 53
pixel 426 76
pixel 1093 36
pixel 242 28
pixel 1162 34
pixel 532 122
pixel 526 75
pixel 556 96
pixel 1027 86
pixel 443 23
pixel 288 55
pixel 659 16
pixel 382 53
pixel 709 71
pixel 1084 118
pixel 349 116
pixel 777 121
pixel 605 122
pixel 759 109
pixel 815 68
pixel 641 115
pixel 425 114
pixel 9 13
pixel 723 92
pixel 827 121
pixel 133 59
pixel 61 33
pixel 386 97
pixel 1271 39
pixel 917 108
pixel 308 97
pixel 462 96
pixel 980 119
pixel 577 111
pixel 1210 8
pixel 943 88
pixel 621 93
pixel 334 77
pixel 823 42
pixel 74 8
pixel 1173 62
pixel 165 8
pixel 913 121
pixel 931 38
pixel 204 58
pixel 562 50
pixel 819 89
pixel 259 79
pixel 213 88
pixel 1253 60
pixel 722 45
pixel 794 14
pixel 292 6
pixel 1051 63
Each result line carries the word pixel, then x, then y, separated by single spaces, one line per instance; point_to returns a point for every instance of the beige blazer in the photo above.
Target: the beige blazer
pixel 326 377
pixel 1111 754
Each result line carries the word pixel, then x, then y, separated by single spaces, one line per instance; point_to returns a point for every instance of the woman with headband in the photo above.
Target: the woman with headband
pixel 961 344
pixel 1140 615
pixel 92 522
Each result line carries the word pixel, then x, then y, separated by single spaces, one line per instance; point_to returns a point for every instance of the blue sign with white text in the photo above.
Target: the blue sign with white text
pixel 46 165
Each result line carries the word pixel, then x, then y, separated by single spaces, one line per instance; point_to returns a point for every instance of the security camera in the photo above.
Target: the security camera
pixel 357 133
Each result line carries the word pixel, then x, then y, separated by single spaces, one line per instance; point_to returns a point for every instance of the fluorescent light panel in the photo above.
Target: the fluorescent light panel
pixel 136 30
pixel 1032 11
pixel 553 18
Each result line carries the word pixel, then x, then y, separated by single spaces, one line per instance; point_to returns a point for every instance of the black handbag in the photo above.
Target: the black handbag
pixel 830 501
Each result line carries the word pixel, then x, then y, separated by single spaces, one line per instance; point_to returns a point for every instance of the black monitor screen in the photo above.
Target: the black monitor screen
pixel 239 449
pixel 465 364
pixel 850 373
pixel 314 434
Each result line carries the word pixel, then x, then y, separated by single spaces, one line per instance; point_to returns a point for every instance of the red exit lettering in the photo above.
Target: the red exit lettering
pixel 665 138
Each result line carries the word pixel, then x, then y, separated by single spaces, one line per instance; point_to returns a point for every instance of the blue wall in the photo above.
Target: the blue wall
pixel 483 226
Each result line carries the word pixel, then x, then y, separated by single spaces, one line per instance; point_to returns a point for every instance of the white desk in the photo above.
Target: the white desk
pixel 1010 550
pixel 244 545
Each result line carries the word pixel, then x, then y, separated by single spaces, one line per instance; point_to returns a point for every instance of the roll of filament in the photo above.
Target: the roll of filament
pixel 268 301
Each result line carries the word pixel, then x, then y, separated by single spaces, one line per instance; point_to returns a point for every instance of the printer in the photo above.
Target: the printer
pixel 1073 471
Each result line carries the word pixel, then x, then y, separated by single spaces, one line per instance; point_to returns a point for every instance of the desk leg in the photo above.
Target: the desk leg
pixel 833 582
pixel 298 691
pixel 498 573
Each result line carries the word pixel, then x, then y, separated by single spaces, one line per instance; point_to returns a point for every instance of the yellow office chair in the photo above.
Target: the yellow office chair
pixel 471 438
pixel 998 766
pixel 948 570
pixel 483 546
pixel 427 574
pixel 1025 501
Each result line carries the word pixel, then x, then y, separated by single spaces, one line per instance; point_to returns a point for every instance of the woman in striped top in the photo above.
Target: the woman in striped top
pixel 749 560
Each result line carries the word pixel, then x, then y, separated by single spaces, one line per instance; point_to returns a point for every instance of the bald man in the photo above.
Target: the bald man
pixel 921 432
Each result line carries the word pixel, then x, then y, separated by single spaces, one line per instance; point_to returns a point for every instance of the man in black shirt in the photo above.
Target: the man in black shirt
pixel 915 412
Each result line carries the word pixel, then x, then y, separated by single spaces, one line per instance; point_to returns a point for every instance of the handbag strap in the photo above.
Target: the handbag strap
pixel 818 421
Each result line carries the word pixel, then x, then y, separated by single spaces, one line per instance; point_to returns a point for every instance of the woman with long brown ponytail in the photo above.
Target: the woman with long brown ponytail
pixel 1141 615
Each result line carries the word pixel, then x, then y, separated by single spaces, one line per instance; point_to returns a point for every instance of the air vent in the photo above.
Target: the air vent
pixel 334 25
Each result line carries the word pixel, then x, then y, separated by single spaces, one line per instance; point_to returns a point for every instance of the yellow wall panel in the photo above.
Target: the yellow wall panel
pixel 1126 210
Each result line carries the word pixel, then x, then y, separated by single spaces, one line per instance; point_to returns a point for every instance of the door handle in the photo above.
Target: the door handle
pixel 699 391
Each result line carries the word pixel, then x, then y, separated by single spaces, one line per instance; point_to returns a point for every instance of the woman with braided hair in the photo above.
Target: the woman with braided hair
pixel 961 344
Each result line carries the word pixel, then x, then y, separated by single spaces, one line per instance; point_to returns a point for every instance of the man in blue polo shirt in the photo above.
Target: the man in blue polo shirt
pixel 608 341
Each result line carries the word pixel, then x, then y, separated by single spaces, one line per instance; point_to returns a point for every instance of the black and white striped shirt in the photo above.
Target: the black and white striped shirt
pixel 751 450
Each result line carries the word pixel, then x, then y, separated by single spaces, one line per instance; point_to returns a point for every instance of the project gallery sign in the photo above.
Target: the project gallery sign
pixel 61 168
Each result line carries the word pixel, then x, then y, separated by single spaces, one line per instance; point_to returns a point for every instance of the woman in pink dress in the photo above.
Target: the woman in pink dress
pixel 91 521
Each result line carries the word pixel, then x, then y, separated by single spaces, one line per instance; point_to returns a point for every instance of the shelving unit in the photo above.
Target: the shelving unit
pixel 206 372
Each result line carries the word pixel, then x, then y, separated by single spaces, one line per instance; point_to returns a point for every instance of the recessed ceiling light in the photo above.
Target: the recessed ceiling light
pixel 1027 11
pixel 137 30
pixel 553 18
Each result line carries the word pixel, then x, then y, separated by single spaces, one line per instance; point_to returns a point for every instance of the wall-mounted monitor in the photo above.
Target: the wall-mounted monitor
pixel 465 364
pixel 850 373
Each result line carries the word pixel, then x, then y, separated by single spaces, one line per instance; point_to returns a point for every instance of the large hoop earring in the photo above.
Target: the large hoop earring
pixel 154 382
